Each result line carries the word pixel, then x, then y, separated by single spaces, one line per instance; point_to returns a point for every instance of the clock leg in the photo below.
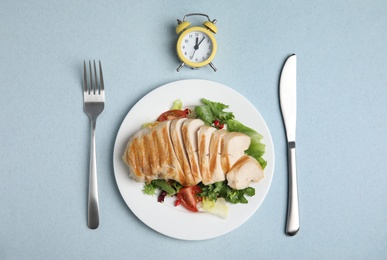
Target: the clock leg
pixel 212 66
pixel 181 66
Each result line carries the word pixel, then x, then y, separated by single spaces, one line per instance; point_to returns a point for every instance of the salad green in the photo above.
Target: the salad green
pixel 211 111
pixel 211 192
pixel 170 187
pixel 222 190
pixel 177 104
pixel 218 208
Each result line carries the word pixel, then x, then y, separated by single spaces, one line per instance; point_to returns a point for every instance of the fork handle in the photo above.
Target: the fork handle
pixel 293 218
pixel 93 207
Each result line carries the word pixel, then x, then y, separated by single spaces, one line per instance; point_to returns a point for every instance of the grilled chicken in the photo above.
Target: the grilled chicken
pixel 189 152
pixel 216 170
pixel 189 131
pixel 243 172
pixel 131 155
pixel 233 146
pixel 180 151
pixel 150 140
pixel 204 137
pixel 169 165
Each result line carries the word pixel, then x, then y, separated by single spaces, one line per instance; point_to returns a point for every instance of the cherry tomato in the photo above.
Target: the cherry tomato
pixel 173 114
pixel 188 197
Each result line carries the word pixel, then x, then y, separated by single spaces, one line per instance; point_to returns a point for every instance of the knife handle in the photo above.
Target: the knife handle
pixel 293 219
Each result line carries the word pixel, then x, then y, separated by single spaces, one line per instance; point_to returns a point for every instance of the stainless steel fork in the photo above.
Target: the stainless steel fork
pixel 93 104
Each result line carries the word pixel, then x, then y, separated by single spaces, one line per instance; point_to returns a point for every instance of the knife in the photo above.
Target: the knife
pixel 288 98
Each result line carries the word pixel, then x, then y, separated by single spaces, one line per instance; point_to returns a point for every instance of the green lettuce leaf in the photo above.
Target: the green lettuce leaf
pixel 171 187
pixel 149 189
pixel 213 110
pixel 222 190
pixel 177 105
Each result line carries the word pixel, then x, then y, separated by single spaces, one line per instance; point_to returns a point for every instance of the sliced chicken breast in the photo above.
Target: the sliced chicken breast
pixel 187 151
pixel 215 167
pixel 151 145
pixel 233 146
pixel 169 165
pixel 132 156
pixel 204 138
pixel 179 148
pixel 244 171
pixel 189 131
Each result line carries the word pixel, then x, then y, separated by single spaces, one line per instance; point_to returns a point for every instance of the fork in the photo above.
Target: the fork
pixel 93 105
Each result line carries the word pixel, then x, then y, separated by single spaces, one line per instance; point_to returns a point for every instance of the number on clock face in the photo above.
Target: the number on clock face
pixel 196 46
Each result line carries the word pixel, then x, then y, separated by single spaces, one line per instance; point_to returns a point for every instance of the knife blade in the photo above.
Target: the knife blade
pixel 288 103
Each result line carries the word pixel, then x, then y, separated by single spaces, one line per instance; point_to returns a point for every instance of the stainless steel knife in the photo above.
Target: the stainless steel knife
pixel 288 102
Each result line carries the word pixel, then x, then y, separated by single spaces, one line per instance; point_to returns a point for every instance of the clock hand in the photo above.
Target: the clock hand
pixel 200 42
pixel 193 54
pixel 195 47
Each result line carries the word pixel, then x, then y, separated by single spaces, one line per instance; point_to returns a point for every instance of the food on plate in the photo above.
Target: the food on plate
pixel 169 151
pixel 199 159
pixel 204 136
pixel 189 131
pixel 218 208
pixel 172 114
pixel 243 172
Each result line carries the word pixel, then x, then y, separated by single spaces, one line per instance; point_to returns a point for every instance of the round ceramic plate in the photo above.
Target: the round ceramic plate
pixel 177 222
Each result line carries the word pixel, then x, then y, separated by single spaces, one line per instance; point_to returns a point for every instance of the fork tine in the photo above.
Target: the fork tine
pixel 96 87
pixel 92 89
pixel 101 78
pixel 84 78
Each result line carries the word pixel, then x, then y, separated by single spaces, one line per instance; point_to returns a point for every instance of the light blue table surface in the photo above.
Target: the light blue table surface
pixel 341 49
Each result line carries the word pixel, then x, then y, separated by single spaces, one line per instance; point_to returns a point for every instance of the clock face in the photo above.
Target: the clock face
pixel 196 46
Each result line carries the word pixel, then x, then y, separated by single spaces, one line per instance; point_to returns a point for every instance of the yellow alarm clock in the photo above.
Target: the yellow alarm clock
pixel 196 46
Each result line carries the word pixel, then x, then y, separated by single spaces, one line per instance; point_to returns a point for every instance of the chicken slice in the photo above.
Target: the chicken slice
pixel 151 144
pixel 169 166
pixel 204 138
pixel 189 131
pixel 179 148
pixel 134 156
pixel 233 146
pixel 243 172
pixel 215 166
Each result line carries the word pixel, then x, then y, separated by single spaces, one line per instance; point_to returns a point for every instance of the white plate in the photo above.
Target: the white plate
pixel 177 222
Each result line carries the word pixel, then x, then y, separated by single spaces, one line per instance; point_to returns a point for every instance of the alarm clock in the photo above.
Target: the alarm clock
pixel 196 46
